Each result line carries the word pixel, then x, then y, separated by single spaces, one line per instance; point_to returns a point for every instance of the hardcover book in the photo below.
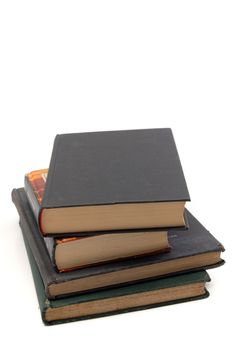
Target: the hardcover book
pixel 87 248
pixel 112 180
pixel 192 249
pixel 76 252
pixel 138 296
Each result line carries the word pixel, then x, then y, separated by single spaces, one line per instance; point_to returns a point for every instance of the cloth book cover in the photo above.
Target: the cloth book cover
pixel 35 183
pixel 139 296
pixel 121 179
pixel 192 249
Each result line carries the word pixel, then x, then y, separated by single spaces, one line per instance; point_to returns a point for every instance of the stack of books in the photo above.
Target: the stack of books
pixel 106 229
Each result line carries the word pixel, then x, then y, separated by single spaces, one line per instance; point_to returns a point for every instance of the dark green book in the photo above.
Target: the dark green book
pixel 139 296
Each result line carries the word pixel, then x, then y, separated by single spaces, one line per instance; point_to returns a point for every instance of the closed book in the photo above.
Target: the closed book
pixel 112 180
pixel 192 249
pixel 76 252
pixel 87 248
pixel 139 296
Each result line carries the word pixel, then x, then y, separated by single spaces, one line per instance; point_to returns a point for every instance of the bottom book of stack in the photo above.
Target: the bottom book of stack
pixel 118 287
pixel 138 296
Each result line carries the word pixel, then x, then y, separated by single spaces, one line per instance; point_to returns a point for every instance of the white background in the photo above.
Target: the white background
pixel 73 66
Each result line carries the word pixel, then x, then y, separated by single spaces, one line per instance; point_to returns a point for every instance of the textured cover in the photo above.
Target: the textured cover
pixel 101 168
pixel 195 240
pixel 44 303
pixel 35 195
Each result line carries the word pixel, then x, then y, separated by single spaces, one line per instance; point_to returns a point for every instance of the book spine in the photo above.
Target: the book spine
pixel 51 244
pixel 32 199
pixel 44 303
pixel 36 241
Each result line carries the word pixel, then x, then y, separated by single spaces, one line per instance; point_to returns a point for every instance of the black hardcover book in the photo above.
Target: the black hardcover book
pixel 192 249
pixel 113 180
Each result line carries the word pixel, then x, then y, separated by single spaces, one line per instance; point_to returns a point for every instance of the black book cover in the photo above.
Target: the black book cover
pixel 35 206
pixel 110 167
pixel 185 243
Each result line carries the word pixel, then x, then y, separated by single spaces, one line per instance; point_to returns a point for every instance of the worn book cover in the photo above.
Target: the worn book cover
pixel 118 179
pixel 192 249
pixel 139 296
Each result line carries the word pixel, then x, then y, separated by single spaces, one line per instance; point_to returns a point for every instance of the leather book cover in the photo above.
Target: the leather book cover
pixel 184 243
pixel 97 297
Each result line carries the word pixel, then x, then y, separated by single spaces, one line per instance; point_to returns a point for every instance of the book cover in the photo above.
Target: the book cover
pixel 195 246
pixel 114 167
pixel 35 182
pixel 139 296
pixel 104 175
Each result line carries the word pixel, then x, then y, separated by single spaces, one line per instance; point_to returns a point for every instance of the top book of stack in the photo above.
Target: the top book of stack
pixel 113 180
